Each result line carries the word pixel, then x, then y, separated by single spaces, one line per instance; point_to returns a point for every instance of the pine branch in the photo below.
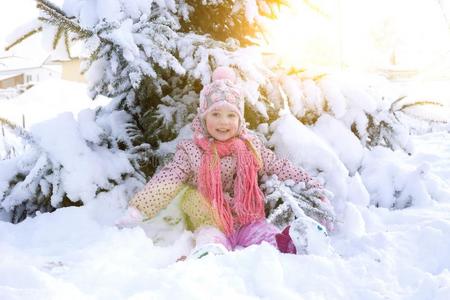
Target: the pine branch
pixel 271 8
pixel 315 8
pixel 404 109
pixel 423 118
pixel 420 103
pixel 67 44
pixel 23 37
pixel 17 130
pixel 296 198
pixel 57 37
pixel 295 71
pixel 50 5
pixel 57 14
pixel 392 108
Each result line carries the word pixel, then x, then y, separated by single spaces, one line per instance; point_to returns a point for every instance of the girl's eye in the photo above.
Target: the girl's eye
pixel 232 116
pixel 215 114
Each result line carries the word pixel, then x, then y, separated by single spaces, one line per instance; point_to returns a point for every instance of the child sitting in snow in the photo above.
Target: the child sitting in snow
pixel 223 205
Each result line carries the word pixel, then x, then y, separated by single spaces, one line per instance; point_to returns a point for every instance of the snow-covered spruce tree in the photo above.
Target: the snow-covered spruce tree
pixel 151 58
pixel 362 120
pixel 55 170
pixel 282 199
pixel 151 55
pixel 25 178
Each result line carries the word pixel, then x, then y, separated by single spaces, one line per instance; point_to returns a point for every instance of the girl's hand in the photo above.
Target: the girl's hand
pixel 324 199
pixel 131 218
pixel 181 258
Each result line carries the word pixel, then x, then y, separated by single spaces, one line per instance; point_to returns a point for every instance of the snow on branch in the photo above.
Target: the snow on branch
pixel 22 34
pixel 56 16
pixel 17 130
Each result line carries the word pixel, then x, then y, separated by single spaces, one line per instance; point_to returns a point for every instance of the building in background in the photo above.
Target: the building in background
pixel 70 69
pixel 11 80
pixel 16 71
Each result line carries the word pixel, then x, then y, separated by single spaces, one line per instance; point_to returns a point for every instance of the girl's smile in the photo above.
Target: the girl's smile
pixel 222 123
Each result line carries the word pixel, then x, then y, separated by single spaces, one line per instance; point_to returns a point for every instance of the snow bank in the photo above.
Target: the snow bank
pixel 71 255
pixel 47 99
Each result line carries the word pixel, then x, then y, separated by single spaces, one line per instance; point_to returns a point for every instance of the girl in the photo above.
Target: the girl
pixel 223 205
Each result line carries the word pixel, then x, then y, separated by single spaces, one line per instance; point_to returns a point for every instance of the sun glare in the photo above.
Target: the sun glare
pixel 359 34
pixel 303 38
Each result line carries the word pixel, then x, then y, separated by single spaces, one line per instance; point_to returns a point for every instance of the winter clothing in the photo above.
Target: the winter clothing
pixel 197 210
pixel 248 201
pixel 131 218
pixel 250 234
pixel 207 249
pixel 224 203
pixel 184 169
pixel 222 91
pixel 284 242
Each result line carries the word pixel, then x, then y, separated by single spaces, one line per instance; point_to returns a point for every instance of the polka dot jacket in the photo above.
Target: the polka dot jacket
pixel 183 169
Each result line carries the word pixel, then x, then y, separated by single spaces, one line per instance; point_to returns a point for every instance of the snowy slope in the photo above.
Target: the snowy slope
pixel 72 254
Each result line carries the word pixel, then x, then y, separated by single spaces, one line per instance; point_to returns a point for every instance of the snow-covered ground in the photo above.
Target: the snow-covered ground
pixel 73 254
pixel 76 252
pixel 47 99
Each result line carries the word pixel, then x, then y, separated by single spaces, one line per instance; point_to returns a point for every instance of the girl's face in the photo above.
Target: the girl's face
pixel 222 123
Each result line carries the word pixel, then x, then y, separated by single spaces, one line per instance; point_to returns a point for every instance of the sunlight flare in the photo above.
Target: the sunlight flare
pixel 360 34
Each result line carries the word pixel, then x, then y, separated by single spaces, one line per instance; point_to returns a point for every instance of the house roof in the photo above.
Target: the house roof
pixel 9 63
pixel 16 64
pixel 3 77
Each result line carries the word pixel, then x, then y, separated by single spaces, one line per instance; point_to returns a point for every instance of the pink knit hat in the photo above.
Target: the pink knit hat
pixel 222 91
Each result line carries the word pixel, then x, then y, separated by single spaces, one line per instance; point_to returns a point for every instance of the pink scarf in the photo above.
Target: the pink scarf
pixel 248 201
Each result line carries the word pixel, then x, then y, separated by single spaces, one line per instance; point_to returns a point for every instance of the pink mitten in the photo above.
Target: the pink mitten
pixel 131 218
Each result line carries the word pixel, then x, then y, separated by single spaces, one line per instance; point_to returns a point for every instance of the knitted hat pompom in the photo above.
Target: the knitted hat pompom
pixel 224 73
pixel 223 90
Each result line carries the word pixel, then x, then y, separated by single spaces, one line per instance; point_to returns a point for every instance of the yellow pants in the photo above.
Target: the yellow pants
pixel 196 209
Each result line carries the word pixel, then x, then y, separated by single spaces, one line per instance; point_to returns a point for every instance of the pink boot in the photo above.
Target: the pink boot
pixel 284 242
